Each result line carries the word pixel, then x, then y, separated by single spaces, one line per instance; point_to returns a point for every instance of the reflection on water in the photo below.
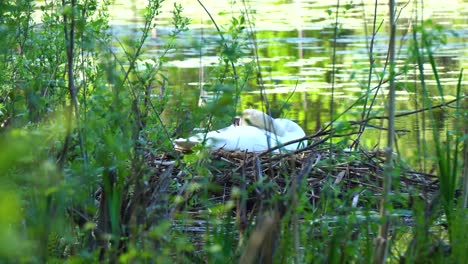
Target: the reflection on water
pixel 295 48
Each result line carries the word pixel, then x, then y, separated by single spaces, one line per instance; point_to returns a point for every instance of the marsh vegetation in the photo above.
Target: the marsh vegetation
pixel 90 103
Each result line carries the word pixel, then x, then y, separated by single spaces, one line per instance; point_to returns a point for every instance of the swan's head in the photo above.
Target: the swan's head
pixel 256 118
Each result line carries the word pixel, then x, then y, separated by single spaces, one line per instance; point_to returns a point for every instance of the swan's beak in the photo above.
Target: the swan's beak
pixel 236 121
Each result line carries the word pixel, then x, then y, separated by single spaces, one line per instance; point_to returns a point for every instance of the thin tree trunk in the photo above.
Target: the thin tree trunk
pixel 69 44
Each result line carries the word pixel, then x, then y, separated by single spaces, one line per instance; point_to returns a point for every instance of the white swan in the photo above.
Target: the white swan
pixel 255 131
pixel 281 130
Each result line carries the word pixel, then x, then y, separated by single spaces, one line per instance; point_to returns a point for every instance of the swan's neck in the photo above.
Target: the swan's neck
pixel 261 120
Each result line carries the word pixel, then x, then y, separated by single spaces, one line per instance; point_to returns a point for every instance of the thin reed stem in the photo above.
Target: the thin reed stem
pixel 381 246
pixel 369 77
pixel 332 100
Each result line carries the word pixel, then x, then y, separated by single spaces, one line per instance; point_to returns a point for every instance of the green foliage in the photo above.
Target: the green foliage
pixel 74 179
pixel 33 191
pixel 102 143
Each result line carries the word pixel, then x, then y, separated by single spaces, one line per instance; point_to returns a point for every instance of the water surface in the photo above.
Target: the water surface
pixel 295 41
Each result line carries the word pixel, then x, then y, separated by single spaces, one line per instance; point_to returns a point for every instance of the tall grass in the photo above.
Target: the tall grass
pixel 446 148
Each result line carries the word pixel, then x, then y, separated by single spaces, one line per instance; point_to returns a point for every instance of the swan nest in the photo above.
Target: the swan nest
pixel 353 175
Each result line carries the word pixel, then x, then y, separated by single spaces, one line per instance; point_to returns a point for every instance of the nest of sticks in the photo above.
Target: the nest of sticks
pixel 355 175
